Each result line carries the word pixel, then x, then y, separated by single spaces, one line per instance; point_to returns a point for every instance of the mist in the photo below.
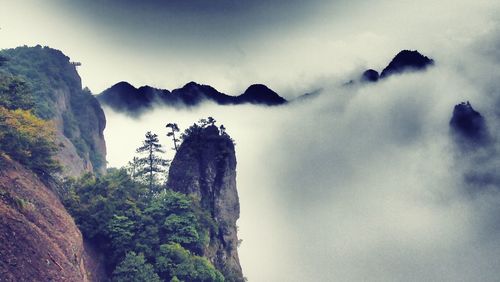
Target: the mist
pixel 362 182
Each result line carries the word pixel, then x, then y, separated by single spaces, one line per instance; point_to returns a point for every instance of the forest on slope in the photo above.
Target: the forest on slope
pixel 142 229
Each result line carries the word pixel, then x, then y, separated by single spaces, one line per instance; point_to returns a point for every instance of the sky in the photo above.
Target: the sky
pixel 362 183
pixel 287 45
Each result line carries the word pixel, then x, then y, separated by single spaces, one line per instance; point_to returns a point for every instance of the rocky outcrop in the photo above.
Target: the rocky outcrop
pixel 370 76
pixel 205 167
pixel 58 96
pixel 123 97
pixel 406 60
pixel 468 126
pixel 39 239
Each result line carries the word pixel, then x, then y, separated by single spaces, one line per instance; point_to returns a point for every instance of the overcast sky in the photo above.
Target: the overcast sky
pixel 231 44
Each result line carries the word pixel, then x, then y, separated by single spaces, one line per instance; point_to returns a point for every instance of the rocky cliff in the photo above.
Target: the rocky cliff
pixel 205 167
pixel 468 126
pixel 39 239
pixel 58 96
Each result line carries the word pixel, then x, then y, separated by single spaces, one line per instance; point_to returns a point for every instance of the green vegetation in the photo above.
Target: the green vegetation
pixel 45 70
pixel 151 164
pixel 14 93
pixel 48 75
pixel 173 129
pixel 28 140
pixel 138 227
pixel 135 269
pixel 23 136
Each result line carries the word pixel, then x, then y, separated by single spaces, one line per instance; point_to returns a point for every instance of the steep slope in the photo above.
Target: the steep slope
pixel 39 240
pixel 123 97
pixel 59 97
pixel 205 167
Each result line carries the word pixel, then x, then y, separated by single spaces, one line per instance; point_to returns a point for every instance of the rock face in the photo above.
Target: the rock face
pixel 39 239
pixel 468 126
pixel 124 97
pixel 205 167
pixel 59 96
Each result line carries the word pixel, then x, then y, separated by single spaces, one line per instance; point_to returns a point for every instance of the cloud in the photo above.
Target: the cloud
pixel 363 183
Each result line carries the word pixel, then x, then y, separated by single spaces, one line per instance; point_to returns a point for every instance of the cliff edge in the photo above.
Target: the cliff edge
pixel 205 168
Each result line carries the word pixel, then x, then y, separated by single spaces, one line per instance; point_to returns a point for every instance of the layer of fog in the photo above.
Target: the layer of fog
pixel 361 183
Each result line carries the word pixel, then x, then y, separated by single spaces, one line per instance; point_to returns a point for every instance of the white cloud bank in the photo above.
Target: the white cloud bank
pixel 362 183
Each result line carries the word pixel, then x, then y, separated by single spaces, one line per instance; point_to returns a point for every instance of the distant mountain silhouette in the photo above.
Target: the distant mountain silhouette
pixel 406 61
pixel 370 76
pixel 260 94
pixel 126 98
pixel 468 126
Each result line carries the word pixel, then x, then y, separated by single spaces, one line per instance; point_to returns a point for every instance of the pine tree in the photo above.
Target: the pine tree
pixel 173 129
pixel 133 167
pixel 134 268
pixel 151 163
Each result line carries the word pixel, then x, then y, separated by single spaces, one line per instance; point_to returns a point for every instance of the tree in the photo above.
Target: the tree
pixel 133 167
pixel 135 269
pixel 151 163
pixel 15 93
pixel 175 262
pixel 204 122
pixel 3 60
pixel 222 130
pixel 29 140
pixel 173 129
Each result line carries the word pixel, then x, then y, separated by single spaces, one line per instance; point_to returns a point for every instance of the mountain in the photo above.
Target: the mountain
pixel 45 115
pixel 260 94
pixel 468 126
pixel 205 168
pixel 406 61
pixel 124 97
pixel 193 93
pixel 40 241
pixel 59 98
pixel 370 76
pixel 65 217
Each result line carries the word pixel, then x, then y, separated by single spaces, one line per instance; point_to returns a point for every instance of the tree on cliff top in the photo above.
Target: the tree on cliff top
pixel 173 129
pixel 151 164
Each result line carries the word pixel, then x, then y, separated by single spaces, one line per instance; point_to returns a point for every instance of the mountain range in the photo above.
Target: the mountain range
pixel 124 97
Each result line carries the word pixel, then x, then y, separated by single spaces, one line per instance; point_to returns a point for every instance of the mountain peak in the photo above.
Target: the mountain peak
pixel 370 76
pixel 406 60
pixel 191 84
pixel 261 94
pixel 468 125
